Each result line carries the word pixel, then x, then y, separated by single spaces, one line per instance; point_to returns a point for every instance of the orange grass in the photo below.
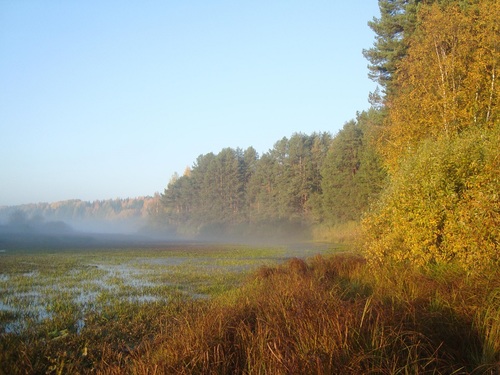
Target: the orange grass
pixel 329 315
pixel 332 316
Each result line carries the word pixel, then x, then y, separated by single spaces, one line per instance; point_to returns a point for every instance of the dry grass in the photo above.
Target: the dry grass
pixel 335 316
pixel 330 315
pixel 345 233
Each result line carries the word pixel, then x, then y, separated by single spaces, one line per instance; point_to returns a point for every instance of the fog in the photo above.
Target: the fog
pixel 19 231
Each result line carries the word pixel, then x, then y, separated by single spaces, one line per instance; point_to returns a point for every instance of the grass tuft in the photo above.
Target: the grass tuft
pixel 330 315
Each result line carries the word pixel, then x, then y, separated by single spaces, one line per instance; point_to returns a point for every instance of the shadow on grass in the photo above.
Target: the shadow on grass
pixel 329 315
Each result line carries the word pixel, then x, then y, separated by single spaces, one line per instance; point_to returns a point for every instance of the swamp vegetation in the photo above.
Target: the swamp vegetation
pixel 224 309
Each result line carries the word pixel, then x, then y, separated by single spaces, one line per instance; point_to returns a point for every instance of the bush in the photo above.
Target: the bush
pixel 443 205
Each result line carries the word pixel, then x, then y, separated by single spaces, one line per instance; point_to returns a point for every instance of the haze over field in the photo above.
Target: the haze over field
pixel 104 100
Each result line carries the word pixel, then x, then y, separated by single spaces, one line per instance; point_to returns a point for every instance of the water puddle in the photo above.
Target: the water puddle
pixel 32 296
pixel 6 308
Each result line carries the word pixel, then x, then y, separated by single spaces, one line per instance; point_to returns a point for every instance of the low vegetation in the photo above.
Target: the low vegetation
pixel 334 315
pixel 328 314
pixel 442 206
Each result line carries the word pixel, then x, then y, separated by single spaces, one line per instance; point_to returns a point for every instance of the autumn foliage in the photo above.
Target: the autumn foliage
pixel 440 144
pixel 442 205
pixel 448 81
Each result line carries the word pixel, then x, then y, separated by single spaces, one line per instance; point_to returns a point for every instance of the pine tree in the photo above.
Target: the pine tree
pixel 397 21
pixel 352 173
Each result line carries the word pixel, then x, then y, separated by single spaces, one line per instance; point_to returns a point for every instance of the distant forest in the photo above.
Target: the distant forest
pixel 419 170
pixel 101 215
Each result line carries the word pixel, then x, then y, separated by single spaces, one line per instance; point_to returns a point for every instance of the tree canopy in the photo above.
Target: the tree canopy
pixel 439 142
pixel 288 185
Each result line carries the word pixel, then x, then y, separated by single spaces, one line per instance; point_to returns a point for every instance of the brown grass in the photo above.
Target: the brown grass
pixel 330 315
pixel 345 233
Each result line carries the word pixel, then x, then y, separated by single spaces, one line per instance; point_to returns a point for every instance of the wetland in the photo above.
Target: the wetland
pixel 198 308
pixel 63 287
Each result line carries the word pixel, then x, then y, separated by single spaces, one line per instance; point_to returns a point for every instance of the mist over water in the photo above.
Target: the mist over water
pixel 20 231
pixel 76 218
pixel 125 223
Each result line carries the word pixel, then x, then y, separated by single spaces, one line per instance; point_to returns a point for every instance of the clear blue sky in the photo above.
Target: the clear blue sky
pixel 107 99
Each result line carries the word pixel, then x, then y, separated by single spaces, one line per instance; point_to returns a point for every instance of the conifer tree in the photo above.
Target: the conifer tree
pixel 396 23
pixel 352 174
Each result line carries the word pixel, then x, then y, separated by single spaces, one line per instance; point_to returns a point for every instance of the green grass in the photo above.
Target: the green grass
pixel 258 314
pixel 57 284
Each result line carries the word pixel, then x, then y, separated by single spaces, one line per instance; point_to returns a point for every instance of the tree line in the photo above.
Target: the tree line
pixel 419 169
pixel 302 181
pixel 134 212
pixel 437 63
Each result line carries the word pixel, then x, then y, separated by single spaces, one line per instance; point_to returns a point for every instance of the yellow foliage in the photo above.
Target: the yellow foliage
pixel 448 81
pixel 443 205
pixel 441 145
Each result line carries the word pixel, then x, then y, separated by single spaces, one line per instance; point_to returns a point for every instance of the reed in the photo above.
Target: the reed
pixel 334 315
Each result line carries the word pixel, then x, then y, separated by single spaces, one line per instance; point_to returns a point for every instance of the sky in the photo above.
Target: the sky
pixel 108 99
